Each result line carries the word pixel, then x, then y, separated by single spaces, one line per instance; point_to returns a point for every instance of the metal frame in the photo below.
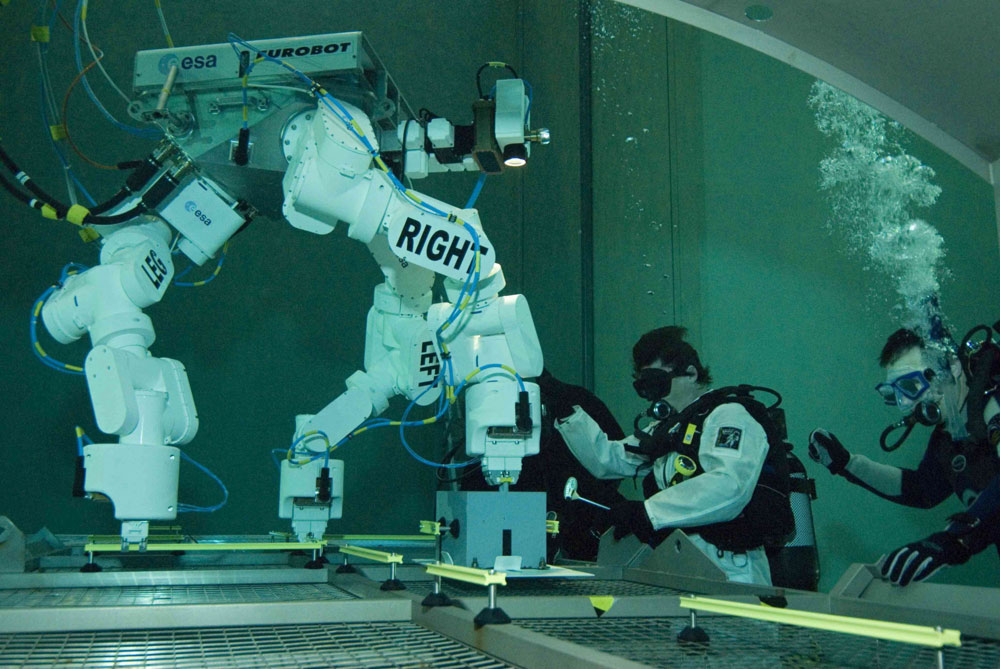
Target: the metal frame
pixel 858 594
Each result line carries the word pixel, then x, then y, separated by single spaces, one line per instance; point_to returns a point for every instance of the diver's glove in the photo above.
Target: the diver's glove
pixel 630 517
pixel 922 559
pixel 556 395
pixel 827 450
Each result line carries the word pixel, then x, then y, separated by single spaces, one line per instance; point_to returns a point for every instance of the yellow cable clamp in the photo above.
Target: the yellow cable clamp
pixel 39 33
pixel 76 214
pixel 879 629
pixel 430 527
pixel 88 234
pixel 552 526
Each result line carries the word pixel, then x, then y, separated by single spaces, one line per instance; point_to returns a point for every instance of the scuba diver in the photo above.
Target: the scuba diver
pixel 705 456
pixel 958 395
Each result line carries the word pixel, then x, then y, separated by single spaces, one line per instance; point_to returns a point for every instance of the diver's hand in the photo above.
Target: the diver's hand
pixel 966 535
pixel 827 450
pixel 557 397
pixel 920 560
pixel 630 517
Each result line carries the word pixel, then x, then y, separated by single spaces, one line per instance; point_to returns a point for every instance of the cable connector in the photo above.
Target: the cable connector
pixel 522 413
pixel 324 485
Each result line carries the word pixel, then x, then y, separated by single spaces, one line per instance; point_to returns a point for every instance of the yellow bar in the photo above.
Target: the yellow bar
pixel 467 574
pixel 377 537
pixel 151 539
pixel 369 554
pixel 879 629
pixel 268 546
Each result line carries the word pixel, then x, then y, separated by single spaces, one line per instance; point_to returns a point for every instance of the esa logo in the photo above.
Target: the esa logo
pixel 191 206
pixel 186 63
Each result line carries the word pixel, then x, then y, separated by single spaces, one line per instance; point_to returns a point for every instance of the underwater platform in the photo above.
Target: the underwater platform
pixel 633 608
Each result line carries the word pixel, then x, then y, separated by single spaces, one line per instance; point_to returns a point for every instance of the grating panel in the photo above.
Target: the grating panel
pixel 537 587
pixel 343 645
pixel 156 595
pixel 738 642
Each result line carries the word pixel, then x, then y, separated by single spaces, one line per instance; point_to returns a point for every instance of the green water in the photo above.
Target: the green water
pixel 682 186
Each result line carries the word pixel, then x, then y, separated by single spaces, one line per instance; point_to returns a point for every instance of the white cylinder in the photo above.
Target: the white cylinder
pixel 149 428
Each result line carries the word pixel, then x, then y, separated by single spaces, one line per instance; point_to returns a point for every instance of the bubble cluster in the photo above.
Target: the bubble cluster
pixel 873 186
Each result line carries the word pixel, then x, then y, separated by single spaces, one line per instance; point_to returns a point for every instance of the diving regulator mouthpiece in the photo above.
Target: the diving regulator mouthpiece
pixel 925 413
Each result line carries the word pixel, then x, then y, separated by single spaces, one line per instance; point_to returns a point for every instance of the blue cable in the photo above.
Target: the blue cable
pixel 202 282
pixel 476 190
pixel 338 110
pixel 33 337
pixel 140 132
pixel 191 508
pixel 416 456
pixel 47 123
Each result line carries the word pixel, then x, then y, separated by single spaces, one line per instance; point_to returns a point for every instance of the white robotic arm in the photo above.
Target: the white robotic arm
pixel 332 171
pixel 146 401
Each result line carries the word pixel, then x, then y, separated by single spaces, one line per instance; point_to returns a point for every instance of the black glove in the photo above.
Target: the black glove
pixel 630 517
pixel 827 450
pixel 920 560
pixel 557 397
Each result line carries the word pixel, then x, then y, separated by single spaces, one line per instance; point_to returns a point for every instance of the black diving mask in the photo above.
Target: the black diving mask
pixel 653 383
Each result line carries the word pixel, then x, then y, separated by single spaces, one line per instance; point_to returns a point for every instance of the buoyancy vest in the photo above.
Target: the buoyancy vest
pixel 969 464
pixel 767 519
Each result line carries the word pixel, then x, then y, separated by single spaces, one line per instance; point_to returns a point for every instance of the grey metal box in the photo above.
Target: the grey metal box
pixel 493 524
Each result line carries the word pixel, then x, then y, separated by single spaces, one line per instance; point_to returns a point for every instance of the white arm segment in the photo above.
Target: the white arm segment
pixel 333 176
pixel 143 399
pixel 494 330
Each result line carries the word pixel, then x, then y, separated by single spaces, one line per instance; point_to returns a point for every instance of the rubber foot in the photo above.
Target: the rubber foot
pixel 693 635
pixel 393 584
pixel 91 567
pixel 315 564
pixel 346 569
pixel 491 617
pixel 437 599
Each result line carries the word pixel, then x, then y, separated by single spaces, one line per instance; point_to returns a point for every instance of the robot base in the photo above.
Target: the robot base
pixel 493 525
pixel 140 480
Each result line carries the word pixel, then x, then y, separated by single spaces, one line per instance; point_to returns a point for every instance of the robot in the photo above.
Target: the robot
pixel 146 401
pixel 310 119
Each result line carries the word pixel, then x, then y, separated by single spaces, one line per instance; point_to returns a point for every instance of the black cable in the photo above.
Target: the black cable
pixel 28 183
pixel 402 159
pixel 12 189
pixel 479 86
pixel 111 203
pixel 117 218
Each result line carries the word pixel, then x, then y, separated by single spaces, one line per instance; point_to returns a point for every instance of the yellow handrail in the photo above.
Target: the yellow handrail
pixel 467 574
pixel 369 554
pixel 879 629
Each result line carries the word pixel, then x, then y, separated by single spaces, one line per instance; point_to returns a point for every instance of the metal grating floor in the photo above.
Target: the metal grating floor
pixel 736 642
pixel 175 594
pixel 399 644
pixel 537 587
